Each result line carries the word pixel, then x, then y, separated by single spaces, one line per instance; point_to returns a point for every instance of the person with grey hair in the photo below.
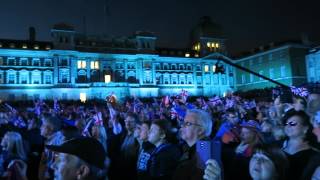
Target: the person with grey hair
pixel 50 130
pixel 197 126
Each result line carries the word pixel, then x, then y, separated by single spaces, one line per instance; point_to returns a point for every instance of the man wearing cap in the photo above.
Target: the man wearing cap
pixel 79 158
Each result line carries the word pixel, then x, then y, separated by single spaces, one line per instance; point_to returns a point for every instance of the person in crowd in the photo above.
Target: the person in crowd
pixel 164 158
pixel 236 160
pixel 35 143
pixel 299 103
pixel 197 126
pixel 50 130
pixel 124 149
pixel 79 158
pixel 229 130
pixel 267 163
pixel 316 126
pixel 146 148
pixel 266 131
pixel 299 144
pixel 312 170
pixel 13 156
pixel 98 132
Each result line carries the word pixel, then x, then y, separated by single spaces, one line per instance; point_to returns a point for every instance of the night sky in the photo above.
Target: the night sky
pixel 246 23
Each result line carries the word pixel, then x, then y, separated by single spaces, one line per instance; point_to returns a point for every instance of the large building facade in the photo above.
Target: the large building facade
pixel 313 65
pixel 74 66
pixel 284 63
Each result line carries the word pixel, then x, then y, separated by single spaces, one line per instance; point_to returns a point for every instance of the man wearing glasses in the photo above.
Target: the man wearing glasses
pixel 197 125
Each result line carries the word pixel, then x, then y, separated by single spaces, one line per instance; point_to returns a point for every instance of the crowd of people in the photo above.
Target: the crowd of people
pixel 163 138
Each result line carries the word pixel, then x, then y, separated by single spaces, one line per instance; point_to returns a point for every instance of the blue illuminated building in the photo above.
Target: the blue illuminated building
pixel 74 65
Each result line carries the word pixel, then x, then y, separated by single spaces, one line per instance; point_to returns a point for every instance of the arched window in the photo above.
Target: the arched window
pixel 36 77
pixel 47 77
pixel 24 77
pixel 11 77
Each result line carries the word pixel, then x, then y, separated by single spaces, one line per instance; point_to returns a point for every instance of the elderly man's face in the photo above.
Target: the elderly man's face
pixel 65 167
pixel 190 130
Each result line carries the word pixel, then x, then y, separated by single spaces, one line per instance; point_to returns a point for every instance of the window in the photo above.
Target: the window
pixel 243 78
pixel 24 76
pixel 24 61
pixel 1 77
pixel 36 62
pixel 214 68
pixel 251 78
pixel 271 73
pixel 251 62
pixel 63 62
pixel 82 64
pixel 48 62
pixel 47 78
pixel 216 79
pixel 1 61
pixel 261 73
pixel 260 59
pixel 187 55
pixel 283 71
pixel 64 75
pixel 36 77
pixel 270 57
pixel 11 61
pixel 11 78
pixel 94 65
pixel 190 79
pixel 107 78
pixel 223 79
pixel 206 68
pixel 83 97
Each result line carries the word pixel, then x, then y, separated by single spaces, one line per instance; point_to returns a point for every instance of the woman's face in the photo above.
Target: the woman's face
pixel 294 128
pixel 154 134
pixel 5 143
pixel 261 167
pixel 247 135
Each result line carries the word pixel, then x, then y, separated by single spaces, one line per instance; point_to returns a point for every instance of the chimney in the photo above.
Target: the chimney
pixel 32 34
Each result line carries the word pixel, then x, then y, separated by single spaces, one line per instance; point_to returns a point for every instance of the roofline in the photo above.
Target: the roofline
pixel 271 50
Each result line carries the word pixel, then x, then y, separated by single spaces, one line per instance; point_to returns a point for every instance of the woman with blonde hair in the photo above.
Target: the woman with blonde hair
pixel 13 156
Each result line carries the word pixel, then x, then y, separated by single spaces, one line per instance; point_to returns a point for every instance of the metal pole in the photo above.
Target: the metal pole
pixel 250 71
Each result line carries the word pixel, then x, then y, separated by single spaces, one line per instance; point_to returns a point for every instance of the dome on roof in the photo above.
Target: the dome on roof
pixel 206 28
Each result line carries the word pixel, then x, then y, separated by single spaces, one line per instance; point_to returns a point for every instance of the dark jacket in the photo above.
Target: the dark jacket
pixel 188 165
pixel 163 161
